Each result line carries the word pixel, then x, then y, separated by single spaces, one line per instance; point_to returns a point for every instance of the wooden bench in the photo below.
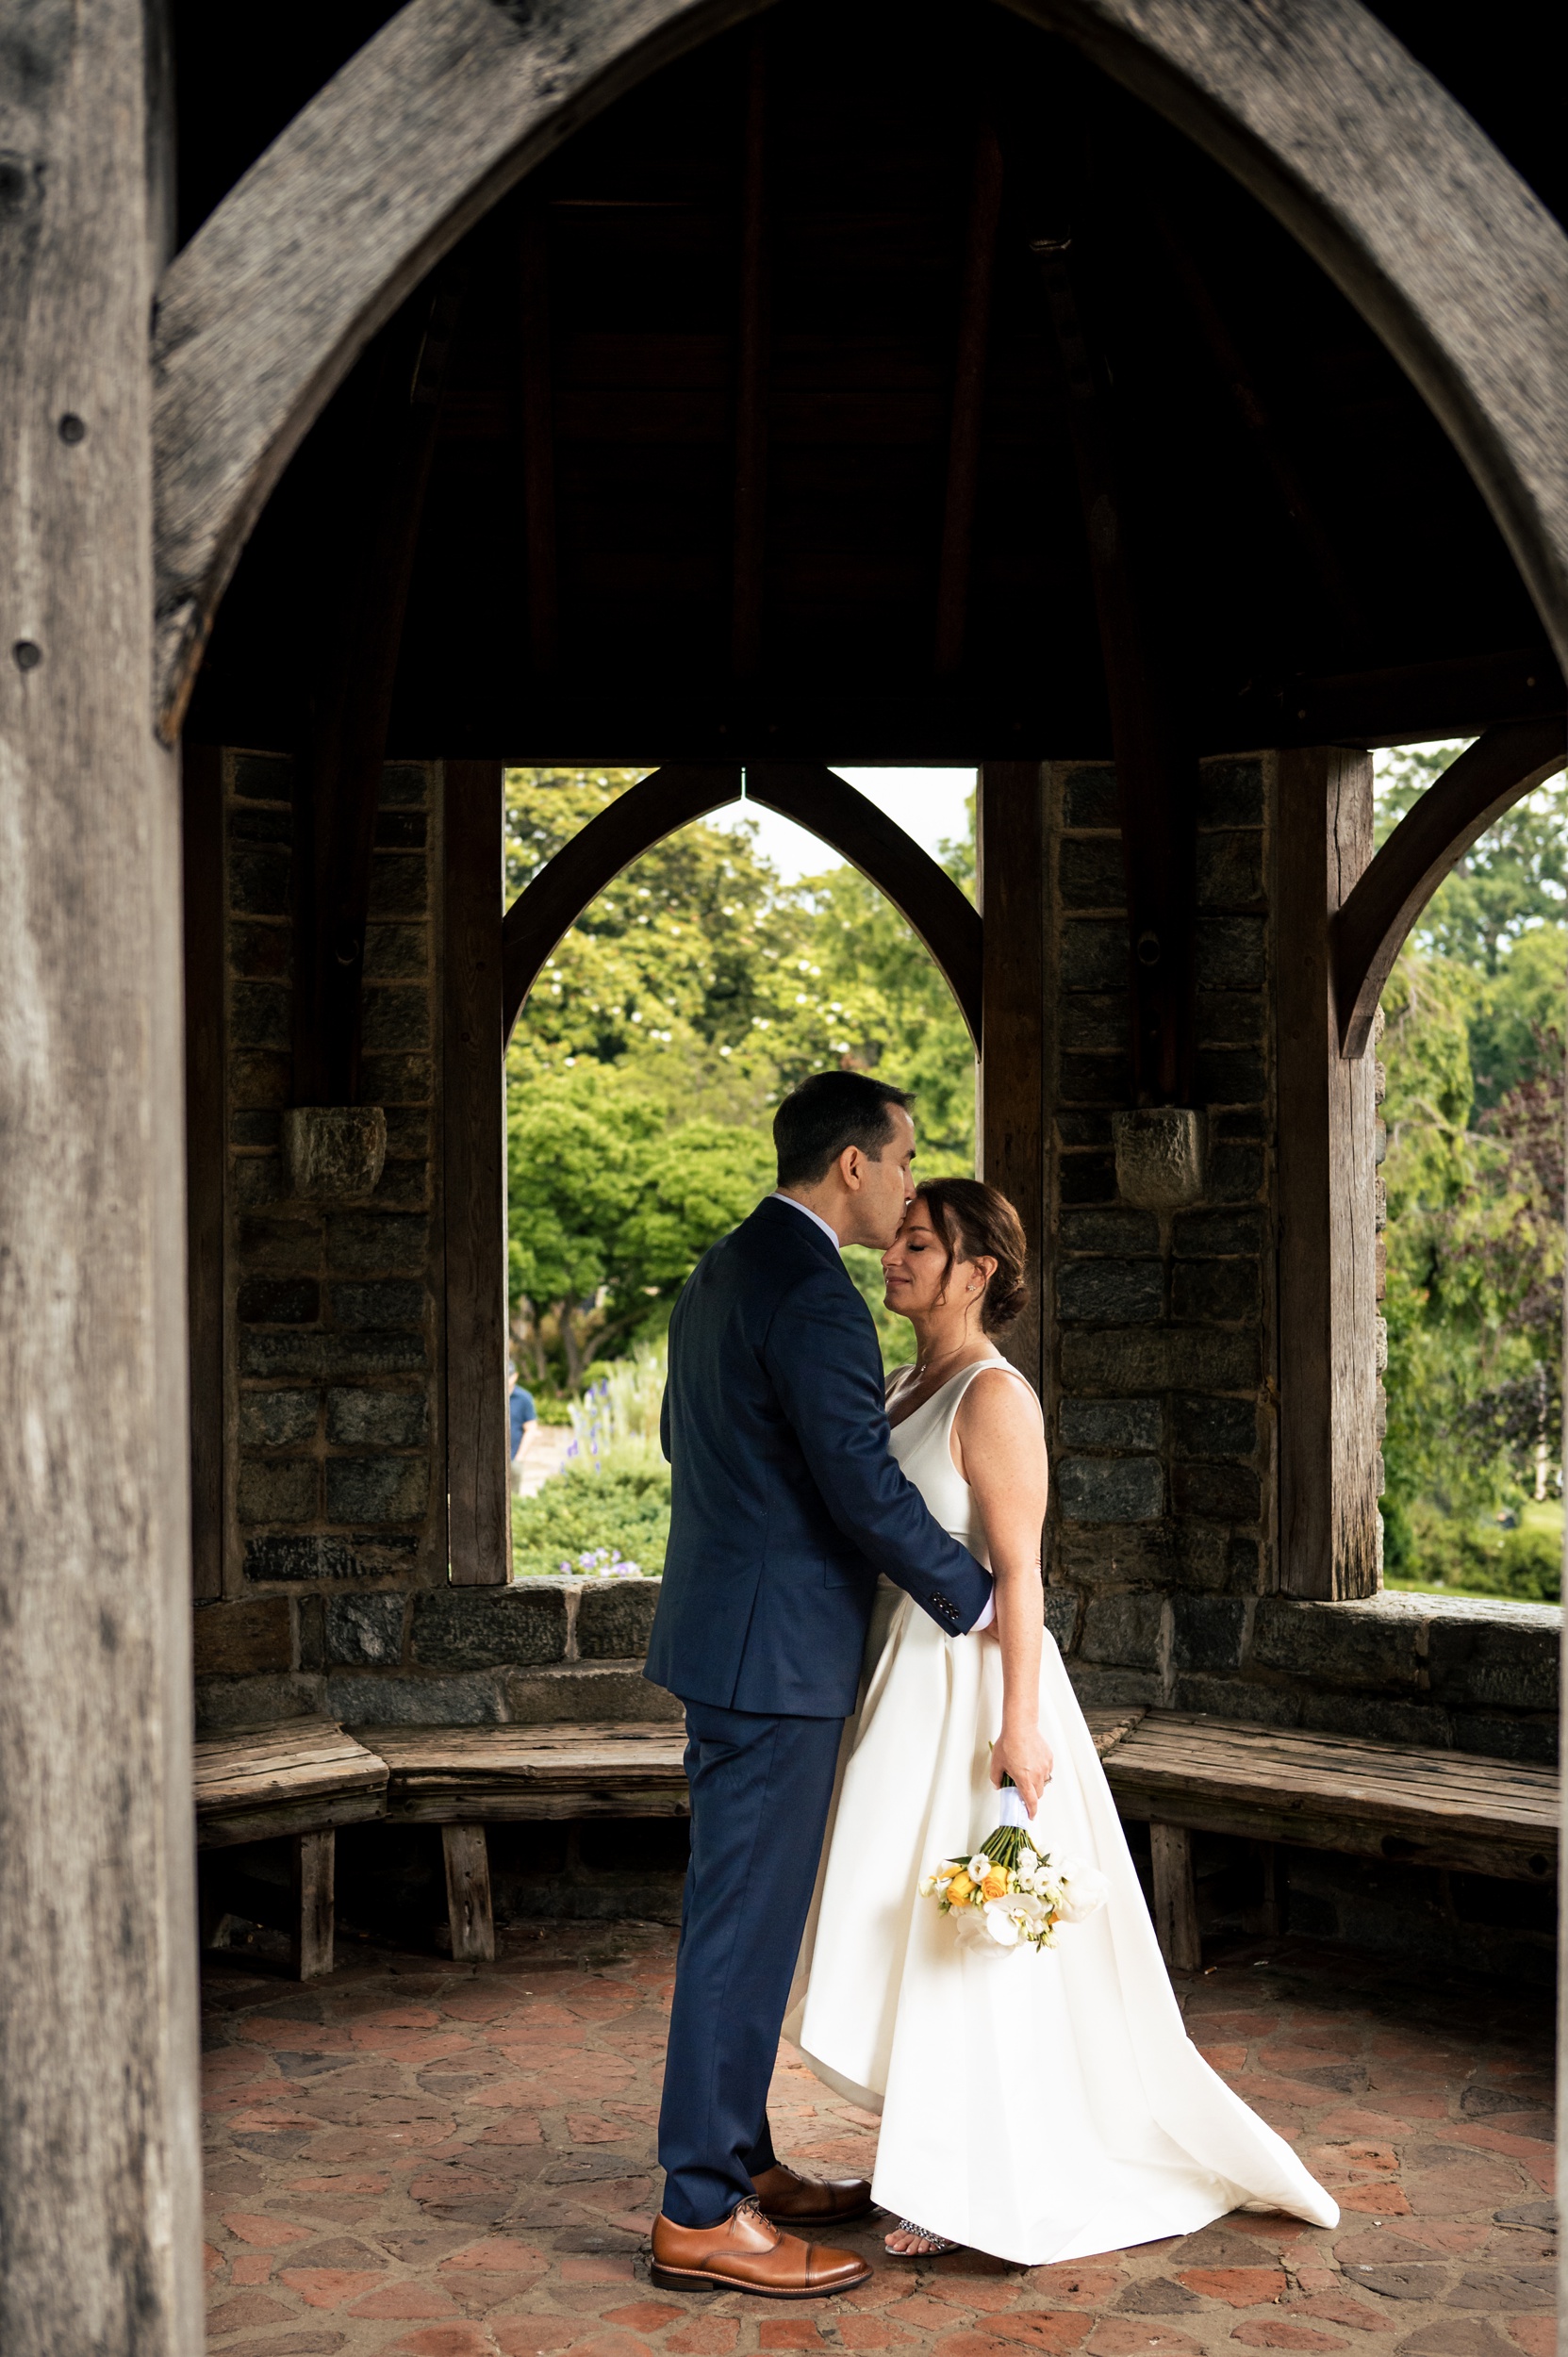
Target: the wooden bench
pixel 1186 1774
pixel 1181 1774
pixel 304 1778
pixel 466 1778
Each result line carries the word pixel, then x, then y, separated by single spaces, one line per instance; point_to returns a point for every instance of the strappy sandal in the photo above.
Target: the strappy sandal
pixel 935 2244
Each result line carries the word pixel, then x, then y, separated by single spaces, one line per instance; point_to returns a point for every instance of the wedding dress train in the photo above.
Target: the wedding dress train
pixel 1038 2106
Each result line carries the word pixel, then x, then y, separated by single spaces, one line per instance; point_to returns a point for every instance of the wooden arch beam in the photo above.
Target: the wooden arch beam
pixel 1496 772
pixel 924 895
pixel 1356 148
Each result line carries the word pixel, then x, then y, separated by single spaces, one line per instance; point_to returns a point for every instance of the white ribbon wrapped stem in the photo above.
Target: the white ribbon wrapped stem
pixel 1013 1809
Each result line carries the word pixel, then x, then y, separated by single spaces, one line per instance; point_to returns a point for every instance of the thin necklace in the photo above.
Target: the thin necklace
pixel 924 1366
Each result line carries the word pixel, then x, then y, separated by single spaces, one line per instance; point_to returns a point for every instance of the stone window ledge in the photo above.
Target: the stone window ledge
pixel 1396 1608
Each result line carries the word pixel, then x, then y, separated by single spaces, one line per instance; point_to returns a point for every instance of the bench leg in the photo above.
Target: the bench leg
pixel 1175 1898
pixel 467 1893
pixel 1274 1890
pixel 315 1866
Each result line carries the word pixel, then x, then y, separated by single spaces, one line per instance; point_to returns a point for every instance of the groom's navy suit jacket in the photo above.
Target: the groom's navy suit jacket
pixel 788 1500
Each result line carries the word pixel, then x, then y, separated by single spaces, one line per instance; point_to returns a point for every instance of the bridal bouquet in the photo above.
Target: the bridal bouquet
pixel 1009 1891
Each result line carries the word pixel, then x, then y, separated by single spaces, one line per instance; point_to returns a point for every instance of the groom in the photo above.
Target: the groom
pixel 787 1503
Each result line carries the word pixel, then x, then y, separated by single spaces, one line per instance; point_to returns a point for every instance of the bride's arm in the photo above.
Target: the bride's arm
pixel 1002 1454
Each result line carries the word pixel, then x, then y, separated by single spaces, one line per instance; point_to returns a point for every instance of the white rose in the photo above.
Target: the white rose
pixel 978 1867
pixel 1084 1892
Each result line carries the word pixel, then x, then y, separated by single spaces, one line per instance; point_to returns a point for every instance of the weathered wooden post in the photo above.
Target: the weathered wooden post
pixel 98 2169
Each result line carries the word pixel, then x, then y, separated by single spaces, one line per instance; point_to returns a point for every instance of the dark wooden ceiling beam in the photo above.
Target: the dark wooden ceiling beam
pixel 348 742
pixel 751 377
pixel 1156 778
pixel 974 320
pixel 1262 430
pixel 536 400
pixel 1496 772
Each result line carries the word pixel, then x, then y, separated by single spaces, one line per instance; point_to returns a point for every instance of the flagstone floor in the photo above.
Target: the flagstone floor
pixel 445 2161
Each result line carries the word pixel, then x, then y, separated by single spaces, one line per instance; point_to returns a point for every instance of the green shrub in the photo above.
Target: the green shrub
pixel 624 1507
pixel 1427 1551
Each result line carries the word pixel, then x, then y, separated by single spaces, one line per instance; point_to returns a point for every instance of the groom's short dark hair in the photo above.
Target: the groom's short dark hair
pixel 826 1114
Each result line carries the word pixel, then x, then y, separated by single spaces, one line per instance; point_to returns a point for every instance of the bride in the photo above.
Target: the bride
pixel 1035 2105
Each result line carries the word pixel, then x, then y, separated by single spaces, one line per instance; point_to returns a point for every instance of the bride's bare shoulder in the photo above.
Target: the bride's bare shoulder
pixel 998 1400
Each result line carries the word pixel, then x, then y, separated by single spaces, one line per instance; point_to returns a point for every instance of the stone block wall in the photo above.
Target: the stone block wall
pixel 1158 1326
pixel 1161 1349
pixel 545 1650
pixel 334 1418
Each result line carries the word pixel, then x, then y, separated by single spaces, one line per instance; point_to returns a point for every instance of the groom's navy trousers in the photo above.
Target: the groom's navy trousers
pixel 787 1503
pixel 760 1790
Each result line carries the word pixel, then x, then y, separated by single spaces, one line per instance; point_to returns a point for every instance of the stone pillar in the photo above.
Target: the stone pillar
pixel 1158 1323
pixel 334 1314
pixel 99 2179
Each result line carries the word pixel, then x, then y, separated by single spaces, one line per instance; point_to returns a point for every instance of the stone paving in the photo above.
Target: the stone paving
pixel 450 2160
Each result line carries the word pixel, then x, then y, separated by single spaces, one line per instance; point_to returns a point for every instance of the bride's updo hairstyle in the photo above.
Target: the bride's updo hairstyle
pixel 980 1223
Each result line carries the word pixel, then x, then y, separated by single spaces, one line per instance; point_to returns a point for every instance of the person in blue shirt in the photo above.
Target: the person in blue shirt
pixel 522 1418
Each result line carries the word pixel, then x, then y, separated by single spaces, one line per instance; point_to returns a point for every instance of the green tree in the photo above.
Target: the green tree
pixel 1474 1261
pixel 695 970
pixel 693 994
pixel 610 1208
pixel 1516 1026
pixel 1514 879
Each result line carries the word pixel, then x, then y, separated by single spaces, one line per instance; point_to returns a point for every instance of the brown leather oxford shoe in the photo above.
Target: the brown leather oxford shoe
pixel 790 2199
pixel 744 2253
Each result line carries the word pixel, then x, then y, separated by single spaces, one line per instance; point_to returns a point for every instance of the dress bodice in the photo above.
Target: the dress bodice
pixel 923 1446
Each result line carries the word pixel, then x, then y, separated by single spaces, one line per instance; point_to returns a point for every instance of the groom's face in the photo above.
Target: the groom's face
pixel 885 1185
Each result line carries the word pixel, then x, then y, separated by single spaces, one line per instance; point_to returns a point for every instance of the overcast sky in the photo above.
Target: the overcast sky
pixel 927 804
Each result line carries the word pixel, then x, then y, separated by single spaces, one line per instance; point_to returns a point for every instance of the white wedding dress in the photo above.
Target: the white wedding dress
pixel 1035 2105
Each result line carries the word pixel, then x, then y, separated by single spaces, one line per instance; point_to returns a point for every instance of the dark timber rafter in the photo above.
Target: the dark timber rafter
pixel 974 320
pixel 1156 779
pixel 536 403
pixel 751 377
pixel 1429 841
pixel 923 894
pixel 1262 429
pixel 348 745
pixel 1334 127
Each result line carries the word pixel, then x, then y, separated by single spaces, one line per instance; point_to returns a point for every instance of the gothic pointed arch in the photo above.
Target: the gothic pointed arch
pixel 923 894
pixel 1357 150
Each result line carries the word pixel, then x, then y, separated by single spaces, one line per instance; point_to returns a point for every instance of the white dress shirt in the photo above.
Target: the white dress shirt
pixel 779 1197
pixel 804 1208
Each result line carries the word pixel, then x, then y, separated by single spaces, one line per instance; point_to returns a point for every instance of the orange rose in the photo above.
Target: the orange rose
pixel 959 1889
pixel 995 1885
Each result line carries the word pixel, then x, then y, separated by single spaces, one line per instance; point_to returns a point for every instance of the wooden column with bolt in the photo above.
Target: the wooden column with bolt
pixel 1328 1523
pixel 474 1186
pixel 98 2041
pixel 466 1849
pixel 1011 879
